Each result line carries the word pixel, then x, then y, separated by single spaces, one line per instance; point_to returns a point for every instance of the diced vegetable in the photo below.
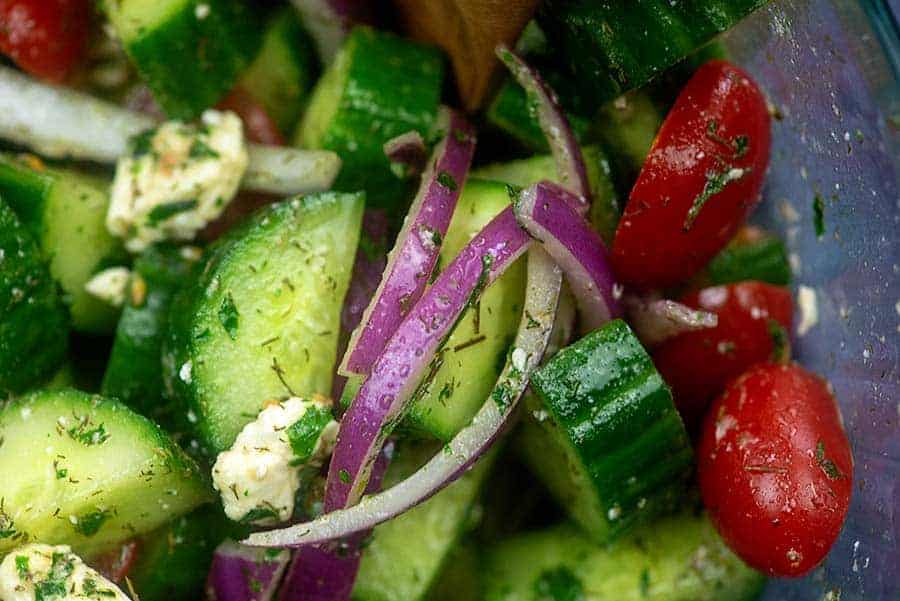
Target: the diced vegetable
pixel 753 325
pixel 656 320
pixel 690 212
pixel 679 558
pixel 751 255
pixel 189 52
pixel 105 474
pixel 775 468
pixel 134 372
pixel 611 47
pixel 329 21
pixel 66 211
pixel 605 437
pixel 460 576
pixel 262 320
pixel 378 87
pixel 34 323
pixel 240 573
pixel 407 152
pixel 412 260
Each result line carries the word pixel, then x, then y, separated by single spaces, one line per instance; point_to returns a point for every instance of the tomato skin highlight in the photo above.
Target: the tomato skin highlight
pixel 698 365
pixel 47 38
pixel 775 469
pixel 701 179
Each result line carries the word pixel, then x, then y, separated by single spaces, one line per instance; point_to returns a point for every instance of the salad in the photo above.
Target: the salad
pixel 321 300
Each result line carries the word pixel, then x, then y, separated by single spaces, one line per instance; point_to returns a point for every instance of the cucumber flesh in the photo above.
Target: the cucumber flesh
pixel 378 87
pixel 262 321
pixel 134 372
pixel 474 354
pixel 605 207
pixel 679 558
pixel 66 211
pixel 86 471
pixel 395 567
pixel 605 437
pixel 34 323
pixel 189 52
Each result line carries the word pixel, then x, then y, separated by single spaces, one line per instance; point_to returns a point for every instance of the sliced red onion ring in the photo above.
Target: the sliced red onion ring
pixel 402 366
pixel 541 297
pixel 412 260
pixel 546 212
pixel 329 21
pixel 553 122
pixel 63 123
pixel 656 320
pixel 242 573
pixel 327 572
pixel 408 151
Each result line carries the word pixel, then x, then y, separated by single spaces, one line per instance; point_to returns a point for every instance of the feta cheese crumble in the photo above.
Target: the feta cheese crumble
pixel 178 178
pixel 38 571
pixel 110 285
pixel 809 309
pixel 259 477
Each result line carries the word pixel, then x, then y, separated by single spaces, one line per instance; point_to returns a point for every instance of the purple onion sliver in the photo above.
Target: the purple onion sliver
pixel 407 150
pixel 242 573
pixel 541 297
pixel 415 254
pixel 403 364
pixel 327 572
pixel 545 211
pixel 563 145
pixel 656 320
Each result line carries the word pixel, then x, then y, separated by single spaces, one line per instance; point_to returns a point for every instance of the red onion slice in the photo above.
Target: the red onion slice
pixel 329 21
pixel 327 572
pixel 541 298
pixel 656 320
pixel 418 245
pixel 242 573
pixel 400 369
pixel 408 151
pixel 553 122
pixel 546 212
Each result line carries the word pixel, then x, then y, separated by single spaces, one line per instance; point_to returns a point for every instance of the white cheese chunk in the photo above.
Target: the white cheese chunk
pixel 259 477
pixel 110 285
pixel 177 179
pixel 52 568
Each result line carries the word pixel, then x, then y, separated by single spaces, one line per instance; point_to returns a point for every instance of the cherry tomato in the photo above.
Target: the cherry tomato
pixel 47 38
pixel 701 178
pixel 116 564
pixel 258 126
pixel 775 468
pixel 754 321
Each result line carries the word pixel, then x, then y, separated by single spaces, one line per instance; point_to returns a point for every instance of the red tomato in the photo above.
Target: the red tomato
pixel 753 318
pixel 116 564
pixel 775 468
pixel 701 178
pixel 47 38
pixel 258 126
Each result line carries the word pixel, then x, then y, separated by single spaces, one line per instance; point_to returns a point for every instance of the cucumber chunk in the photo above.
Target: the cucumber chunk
pixel 262 321
pixel 613 47
pixel 66 211
pixel 284 69
pixel 189 52
pixel 394 569
pixel 764 259
pixel 134 372
pixel 34 323
pixel 680 558
pixel 86 471
pixel 475 352
pixel 378 87
pixel 606 438
pixel 605 207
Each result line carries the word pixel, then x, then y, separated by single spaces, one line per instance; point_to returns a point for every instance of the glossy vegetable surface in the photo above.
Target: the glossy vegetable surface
pixel 47 38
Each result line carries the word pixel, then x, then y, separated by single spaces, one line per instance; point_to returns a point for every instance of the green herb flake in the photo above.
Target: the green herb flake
pixel 644 582
pixel 828 466
pixel 7 526
pixel 819 215
pixel 92 590
pixel 22 566
pixel 446 180
pixel 54 586
pixel 716 181
pixel 272 554
pixel 85 432
pixel 201 150
pixel 558 584
pixel 166 211
pixel 255 585
pixel 781 342
pixel 229 316
pixel 344 476
pixel 303 435
pixel 89 524
pixel 258 514
pixel 142 143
